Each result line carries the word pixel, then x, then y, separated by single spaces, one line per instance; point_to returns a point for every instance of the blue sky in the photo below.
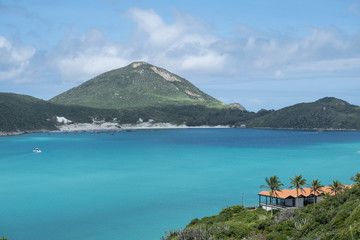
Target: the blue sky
pixel 259 53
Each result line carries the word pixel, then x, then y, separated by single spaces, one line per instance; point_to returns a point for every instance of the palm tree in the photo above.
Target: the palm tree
pixel 356 178
pixel 316 186
pixel 298 182
pixel 336 187
pixel 273 184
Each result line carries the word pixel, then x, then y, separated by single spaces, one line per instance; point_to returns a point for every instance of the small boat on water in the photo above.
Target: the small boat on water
pixel 36 150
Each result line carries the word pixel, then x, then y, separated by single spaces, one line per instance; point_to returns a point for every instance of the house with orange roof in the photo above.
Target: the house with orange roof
pixel 287 197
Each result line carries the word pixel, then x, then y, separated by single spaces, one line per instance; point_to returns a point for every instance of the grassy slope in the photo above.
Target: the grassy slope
pixel 328 113
pixel 337 217
pixel 135 87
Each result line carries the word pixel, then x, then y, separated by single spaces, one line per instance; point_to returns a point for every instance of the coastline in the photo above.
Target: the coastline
pixel 9 134
pixel 116 126
pixel 308 129
pixel 104 126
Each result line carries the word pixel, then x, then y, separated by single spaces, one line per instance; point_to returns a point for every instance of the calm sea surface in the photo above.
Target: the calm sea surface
pixel 136 185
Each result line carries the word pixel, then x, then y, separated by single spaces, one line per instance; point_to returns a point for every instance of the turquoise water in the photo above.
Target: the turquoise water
pixel 137 185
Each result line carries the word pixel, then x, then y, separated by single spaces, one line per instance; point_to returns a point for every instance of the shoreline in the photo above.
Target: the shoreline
pixel 103 126
pixel 307 129
pixel 116 126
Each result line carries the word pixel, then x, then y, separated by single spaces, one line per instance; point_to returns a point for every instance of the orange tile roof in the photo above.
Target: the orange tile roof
pixel 305 192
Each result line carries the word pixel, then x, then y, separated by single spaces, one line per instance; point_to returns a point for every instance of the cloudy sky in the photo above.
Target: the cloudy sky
pixel 260 53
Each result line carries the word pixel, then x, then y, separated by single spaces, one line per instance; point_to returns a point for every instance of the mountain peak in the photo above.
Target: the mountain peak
pixel 139 84
pixel 137 64
pixel 332 101
pixel 168 76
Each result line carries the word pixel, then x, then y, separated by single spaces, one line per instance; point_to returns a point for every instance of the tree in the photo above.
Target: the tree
pixel 273 184
pixel 298 182
pixel 327 195
pixel 336 187
pixel 316 186
pixel 356 178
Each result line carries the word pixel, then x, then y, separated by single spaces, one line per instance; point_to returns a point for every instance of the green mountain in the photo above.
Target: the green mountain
pixel 137 85
pixel 22 113
pixel 326 113
pixel 336 217
pixel 19 113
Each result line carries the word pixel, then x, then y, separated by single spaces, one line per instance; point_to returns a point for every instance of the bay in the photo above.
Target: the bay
pixel 137 185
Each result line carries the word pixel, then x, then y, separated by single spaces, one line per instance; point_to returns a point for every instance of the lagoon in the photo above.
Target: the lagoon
pixel 137 185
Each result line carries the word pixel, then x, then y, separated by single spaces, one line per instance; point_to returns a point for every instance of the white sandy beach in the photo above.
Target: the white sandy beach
pixel 116 126
pixel 97 126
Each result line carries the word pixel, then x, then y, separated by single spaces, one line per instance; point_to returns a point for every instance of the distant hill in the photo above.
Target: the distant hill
pixel 137 85
pixel 26 113
pixel 22 113
pixel 326 113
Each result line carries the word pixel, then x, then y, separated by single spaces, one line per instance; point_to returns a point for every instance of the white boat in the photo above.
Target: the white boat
pixel 36 150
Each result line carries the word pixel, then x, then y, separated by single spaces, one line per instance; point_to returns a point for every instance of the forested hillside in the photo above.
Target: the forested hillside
pixel 21 113
pixel 326 113
pixel 26 113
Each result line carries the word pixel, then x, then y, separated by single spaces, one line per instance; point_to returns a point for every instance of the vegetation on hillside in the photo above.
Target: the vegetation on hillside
pixel 191 115
pixel 25 113
pixel 326 113
pixel 336 217
pixel 137 85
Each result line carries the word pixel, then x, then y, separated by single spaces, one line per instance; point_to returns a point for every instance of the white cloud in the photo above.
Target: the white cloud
pixel 279 74
pixel 317 52
pixel 202 62
pixel 189 47
pixel 84 66
pixel 14 58
pixel 150 23
pixel 185 45
pixel 348 64
pixel 179 47
pixel 78 58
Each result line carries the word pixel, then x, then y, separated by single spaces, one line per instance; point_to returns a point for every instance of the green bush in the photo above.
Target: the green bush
pixel 337 217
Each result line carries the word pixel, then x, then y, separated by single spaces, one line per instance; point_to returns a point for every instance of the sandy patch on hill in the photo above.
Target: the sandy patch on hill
pixel 167 76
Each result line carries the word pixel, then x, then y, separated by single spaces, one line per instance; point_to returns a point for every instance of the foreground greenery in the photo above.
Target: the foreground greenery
pixel 336 217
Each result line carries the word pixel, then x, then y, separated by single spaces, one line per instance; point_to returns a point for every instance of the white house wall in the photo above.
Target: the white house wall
pixel 299 202
pixel 288 202
pixel 319 198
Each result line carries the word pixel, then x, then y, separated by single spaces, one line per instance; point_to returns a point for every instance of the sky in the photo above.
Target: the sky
pixel 262 54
